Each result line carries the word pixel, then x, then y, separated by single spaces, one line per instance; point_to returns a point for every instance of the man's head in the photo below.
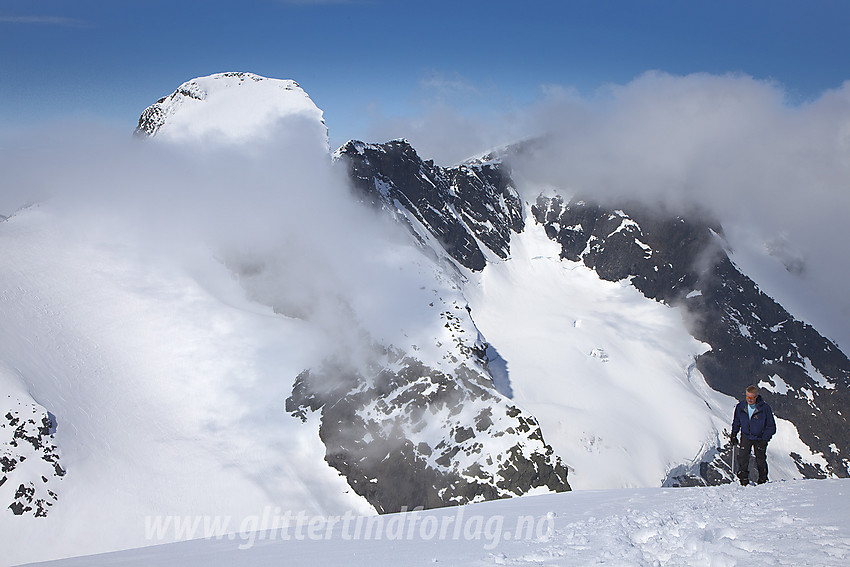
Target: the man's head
pixel 752 394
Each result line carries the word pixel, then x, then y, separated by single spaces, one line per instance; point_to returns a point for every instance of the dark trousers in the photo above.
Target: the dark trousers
pixel 760 449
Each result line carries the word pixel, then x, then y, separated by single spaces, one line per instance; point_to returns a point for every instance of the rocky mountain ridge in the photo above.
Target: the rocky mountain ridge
pixel 682 261
pixel 468 212
pixel 678 260
pixel 411 436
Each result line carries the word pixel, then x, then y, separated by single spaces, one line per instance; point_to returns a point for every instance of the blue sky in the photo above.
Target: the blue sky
pixel 372 60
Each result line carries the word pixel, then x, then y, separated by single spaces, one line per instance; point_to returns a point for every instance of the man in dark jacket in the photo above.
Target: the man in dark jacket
pixel 754 419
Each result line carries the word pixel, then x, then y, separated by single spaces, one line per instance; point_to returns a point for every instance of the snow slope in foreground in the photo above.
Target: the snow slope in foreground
pixel 803 522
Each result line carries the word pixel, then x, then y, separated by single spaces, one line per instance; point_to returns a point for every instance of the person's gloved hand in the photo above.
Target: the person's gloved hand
pixel 734 440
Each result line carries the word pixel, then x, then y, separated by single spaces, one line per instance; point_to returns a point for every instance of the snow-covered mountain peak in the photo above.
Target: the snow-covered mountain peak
pixel 230 108
pixel 235 338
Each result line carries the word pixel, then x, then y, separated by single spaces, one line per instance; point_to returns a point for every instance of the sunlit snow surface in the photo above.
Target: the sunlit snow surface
pixel 168 387
pixel 608 373
pixel 803 522
pixel 232 108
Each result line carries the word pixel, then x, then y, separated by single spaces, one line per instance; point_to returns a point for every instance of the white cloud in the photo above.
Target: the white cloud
pixel 279 214
pixel 319 2
pixel 772 172
pixel 447 84
pixel 45 20
pixel 776 174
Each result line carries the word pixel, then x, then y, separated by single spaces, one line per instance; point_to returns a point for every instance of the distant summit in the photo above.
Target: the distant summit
pixel 228 108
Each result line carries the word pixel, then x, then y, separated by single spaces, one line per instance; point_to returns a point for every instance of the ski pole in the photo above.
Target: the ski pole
pixel 733 462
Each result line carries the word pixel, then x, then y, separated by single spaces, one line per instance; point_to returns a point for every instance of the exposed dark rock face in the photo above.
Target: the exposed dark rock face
pixel 152 118
pixel 29 461
pixel 754 340
pixel 676 260
pixel 408 435
pixel 405 434
pixel 471 209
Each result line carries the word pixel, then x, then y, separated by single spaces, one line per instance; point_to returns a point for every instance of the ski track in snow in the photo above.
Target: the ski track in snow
pixel 717 527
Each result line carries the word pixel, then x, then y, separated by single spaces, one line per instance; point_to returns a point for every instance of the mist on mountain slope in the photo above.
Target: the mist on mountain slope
pixel 774 173
pixel 159 300
pixel 276 212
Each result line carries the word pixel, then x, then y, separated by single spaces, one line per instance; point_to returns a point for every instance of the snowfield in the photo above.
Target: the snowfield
pixel 609 374
pixel 803 522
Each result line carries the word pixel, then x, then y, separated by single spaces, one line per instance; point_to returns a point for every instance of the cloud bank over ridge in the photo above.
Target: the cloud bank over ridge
pixel 775 173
